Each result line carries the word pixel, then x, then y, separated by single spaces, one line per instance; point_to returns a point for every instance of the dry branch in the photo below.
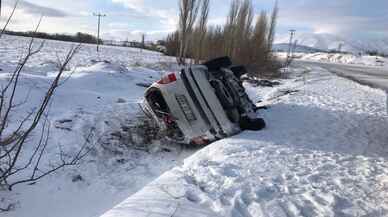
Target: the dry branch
pixel 9 18
pixel 12 144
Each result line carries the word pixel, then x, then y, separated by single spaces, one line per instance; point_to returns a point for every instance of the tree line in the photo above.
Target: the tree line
pixel 79 37
pixel 245 37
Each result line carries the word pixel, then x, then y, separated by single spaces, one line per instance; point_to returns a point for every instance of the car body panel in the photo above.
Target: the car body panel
pixel 210 102
pixel 210 119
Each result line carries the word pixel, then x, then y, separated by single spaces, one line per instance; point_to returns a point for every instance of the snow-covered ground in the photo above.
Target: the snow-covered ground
pixel 98 95
pixel 340 58
pixel 324 153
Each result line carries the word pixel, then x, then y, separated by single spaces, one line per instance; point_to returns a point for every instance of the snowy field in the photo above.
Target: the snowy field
pixel 98 95
pixel 363 60
pixel 324 152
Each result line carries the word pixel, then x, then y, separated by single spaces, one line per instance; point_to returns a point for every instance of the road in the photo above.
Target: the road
pixel 375 77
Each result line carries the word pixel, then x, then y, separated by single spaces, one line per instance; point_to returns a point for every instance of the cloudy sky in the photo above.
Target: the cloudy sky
pixel 129 18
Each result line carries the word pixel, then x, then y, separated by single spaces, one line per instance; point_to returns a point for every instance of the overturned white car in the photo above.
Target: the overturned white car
pixel 203 103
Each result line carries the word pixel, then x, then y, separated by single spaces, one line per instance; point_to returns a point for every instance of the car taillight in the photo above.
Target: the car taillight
pixel 167 79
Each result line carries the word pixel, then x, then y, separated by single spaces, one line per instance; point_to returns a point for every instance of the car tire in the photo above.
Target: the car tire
pixel 252 124
pixel 233 115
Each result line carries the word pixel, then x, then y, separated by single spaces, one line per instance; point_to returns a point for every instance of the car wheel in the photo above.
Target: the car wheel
pixel 233 115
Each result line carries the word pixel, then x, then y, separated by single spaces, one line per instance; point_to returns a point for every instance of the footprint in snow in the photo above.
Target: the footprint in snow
pixel 64 124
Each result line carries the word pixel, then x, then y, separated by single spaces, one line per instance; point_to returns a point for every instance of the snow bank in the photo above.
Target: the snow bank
pixel 165 196
pixel 346 59
pixel 340 58
pixel 328 42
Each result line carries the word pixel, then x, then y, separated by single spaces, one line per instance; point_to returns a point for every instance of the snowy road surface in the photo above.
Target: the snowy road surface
pixel 324 153
pixel 376 77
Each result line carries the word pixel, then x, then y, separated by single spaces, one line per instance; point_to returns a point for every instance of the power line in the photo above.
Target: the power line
pixel 99 15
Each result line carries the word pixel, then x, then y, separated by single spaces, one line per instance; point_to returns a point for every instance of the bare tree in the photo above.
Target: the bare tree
pixel 214 43
pixel 201 30
pixel 243 33
pixel 272 27
pixel 230 28
pixel 238 30
pixel 188 11
pixel 259 43
pixel 239 39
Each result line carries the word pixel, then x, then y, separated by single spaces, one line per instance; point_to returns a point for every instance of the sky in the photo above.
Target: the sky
pixel 128 19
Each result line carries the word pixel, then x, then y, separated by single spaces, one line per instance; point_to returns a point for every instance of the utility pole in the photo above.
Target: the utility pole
pixel 292 34
pixel 340 47
pixel 143 40
pixel 294 48
pixel 99 15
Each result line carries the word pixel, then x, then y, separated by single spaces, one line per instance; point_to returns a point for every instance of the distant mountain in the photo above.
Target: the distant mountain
pixel 283 47
pixel 328 42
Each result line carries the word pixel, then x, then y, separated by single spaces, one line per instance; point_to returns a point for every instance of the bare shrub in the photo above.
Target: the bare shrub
pixel 14 140
pixel 17 167
pixel 141 133
pixel 138 133
pixel 172 44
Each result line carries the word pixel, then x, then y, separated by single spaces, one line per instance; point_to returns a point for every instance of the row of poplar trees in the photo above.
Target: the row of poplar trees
pixel 246 38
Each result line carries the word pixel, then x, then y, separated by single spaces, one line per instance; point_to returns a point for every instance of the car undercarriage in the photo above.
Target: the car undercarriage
pixel 203 103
